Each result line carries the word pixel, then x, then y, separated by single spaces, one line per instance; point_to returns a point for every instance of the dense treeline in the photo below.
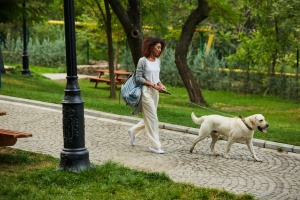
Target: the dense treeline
pixel 259 37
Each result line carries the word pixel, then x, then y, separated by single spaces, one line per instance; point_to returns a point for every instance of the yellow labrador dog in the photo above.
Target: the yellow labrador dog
pixel 235 129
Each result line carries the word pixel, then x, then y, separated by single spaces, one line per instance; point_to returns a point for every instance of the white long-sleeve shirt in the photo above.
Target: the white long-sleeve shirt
pixel 151 70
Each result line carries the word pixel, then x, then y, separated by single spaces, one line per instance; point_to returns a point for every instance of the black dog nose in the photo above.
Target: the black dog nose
pixel 267 125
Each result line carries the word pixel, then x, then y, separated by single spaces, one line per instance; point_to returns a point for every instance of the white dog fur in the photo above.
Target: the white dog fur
pixel 234 129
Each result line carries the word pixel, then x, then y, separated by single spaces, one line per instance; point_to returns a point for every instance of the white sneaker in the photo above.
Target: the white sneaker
pixel 159 151
pixel 132 138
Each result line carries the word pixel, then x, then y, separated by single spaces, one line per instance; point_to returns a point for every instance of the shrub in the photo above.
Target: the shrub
pixel 212 73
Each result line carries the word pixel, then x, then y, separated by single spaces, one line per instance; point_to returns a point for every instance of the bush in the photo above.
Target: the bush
pixel 45 53
pixel 213 73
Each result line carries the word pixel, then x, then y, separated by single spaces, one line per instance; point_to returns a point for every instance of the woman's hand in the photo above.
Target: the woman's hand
pixel 161 87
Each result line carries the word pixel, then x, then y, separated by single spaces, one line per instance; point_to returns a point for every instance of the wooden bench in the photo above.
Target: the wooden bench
pixel 105 80
pixel 119 80
pixel 98 80
pixel 9 137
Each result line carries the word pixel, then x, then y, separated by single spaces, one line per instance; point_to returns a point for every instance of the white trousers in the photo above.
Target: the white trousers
pixel 149 123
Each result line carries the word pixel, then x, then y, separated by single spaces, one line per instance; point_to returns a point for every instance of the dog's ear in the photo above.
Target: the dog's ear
pixel 252 120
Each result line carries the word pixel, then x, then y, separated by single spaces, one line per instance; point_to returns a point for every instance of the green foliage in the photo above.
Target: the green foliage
pixel 94 22
pixel 169 73
pixel 269 38
pixel 46 46
pixel 259 36
pixel 12 10
pixel 44 30
pixel 213 74
pixel 224 43
pixel 154 19
pixel 223 12
pixel 47 52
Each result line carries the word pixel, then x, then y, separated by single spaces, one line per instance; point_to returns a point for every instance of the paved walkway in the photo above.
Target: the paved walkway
pixel 277 177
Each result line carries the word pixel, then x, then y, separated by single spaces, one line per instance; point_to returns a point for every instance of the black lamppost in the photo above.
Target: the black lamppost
pixel 74 156
pixel 25 62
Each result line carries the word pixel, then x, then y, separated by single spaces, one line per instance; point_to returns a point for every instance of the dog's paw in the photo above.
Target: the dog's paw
pixel 257 159
pixel 227 156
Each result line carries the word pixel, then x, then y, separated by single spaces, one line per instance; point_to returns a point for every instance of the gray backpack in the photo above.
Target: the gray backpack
pixel 131 92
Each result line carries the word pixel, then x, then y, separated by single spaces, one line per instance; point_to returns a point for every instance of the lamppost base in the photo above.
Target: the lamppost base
pixel 26 73
pixel 74 160
pixel 25 62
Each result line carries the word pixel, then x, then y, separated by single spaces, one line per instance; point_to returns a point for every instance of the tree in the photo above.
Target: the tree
pixel 105 18
pixel 12 12
pixel 188 29
pixel 131 22
pixel 269 36
pixel 110 50
pixel 100 12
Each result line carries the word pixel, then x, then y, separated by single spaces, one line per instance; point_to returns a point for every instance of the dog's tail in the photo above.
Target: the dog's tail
pixel 197 120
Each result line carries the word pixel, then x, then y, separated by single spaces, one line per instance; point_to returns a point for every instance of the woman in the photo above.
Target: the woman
pixel 147 74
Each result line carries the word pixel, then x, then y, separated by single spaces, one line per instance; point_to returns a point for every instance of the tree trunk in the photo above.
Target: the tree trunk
pixel 131 23
pixel 110 51
pixel 117 55
pixel 105 17
pixel 188 29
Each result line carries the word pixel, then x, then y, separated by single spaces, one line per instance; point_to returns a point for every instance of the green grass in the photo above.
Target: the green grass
pixel 27 175
pixel 282 115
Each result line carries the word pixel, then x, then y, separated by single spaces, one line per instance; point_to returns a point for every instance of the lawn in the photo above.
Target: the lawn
pixel 282 115
pixel 26 175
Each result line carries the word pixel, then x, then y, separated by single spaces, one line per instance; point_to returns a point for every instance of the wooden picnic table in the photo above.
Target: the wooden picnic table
pixel 120 77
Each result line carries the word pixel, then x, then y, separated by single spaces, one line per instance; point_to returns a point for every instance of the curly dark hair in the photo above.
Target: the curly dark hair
pixel 149 43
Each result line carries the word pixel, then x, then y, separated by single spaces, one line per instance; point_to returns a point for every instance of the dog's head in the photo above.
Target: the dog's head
pixel 259 122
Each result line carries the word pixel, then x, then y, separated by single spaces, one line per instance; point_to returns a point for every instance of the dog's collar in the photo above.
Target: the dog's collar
pixel 243 120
